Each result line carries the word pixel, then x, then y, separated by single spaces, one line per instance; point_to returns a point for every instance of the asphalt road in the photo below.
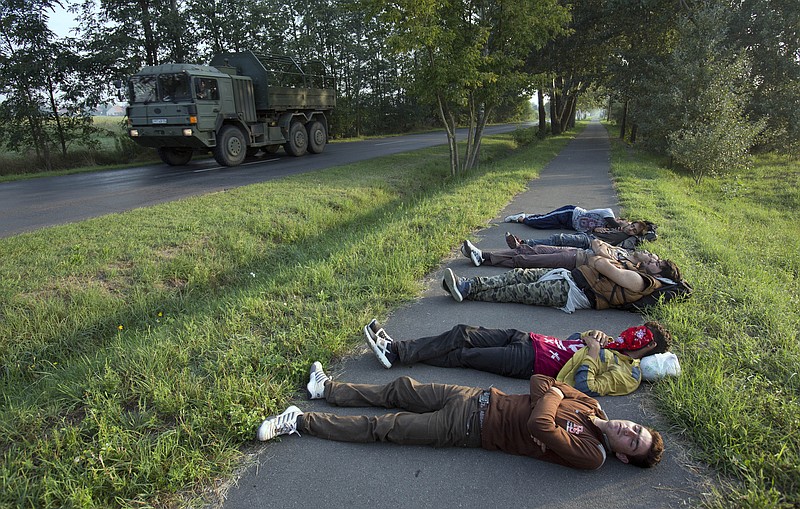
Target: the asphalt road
pixel 310 472
pixel 27 205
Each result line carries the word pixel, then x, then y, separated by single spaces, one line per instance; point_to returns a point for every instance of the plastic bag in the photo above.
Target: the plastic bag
pixel 657 366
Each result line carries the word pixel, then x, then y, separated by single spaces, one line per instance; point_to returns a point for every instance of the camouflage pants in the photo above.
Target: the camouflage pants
pixel 522 286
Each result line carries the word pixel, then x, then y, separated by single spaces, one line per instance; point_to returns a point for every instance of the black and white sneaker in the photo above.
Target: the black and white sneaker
pixel 379 340
pixel 475 254
pixel 283 424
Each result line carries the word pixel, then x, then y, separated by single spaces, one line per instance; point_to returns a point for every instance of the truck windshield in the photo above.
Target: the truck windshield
pixel 161 87
pixel 174 87
pixel 142 89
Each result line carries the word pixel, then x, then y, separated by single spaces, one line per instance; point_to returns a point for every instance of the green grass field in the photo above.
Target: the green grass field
pixel 141 350
pixel 736 239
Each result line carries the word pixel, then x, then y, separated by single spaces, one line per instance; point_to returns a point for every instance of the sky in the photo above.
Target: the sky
pixel 61 21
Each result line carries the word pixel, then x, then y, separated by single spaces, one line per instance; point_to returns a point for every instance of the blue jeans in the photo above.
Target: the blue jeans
pixel 581 240
pixel 560 218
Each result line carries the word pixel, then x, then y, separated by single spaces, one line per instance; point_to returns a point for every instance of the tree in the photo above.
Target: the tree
pixel 32 64
pixel 710 91
pixel 768 31
pixel 469 56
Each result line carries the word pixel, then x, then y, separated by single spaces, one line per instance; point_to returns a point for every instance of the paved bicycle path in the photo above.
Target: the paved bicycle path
pixel 311 472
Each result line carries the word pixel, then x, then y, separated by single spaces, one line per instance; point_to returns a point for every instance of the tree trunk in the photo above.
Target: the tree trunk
pixel 447 118
pixel 542 114
pixel 622 125
pixel 555 118
pixel 573 105
pixel 59 128
pixel 633 132
pixel 150 44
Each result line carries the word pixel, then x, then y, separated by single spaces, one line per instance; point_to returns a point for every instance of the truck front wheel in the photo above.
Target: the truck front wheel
pixel 175 156
pixel 316 137
pixel 231 146
pixel 297 143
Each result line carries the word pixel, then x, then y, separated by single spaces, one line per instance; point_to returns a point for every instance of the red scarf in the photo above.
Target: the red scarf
pixel 632 338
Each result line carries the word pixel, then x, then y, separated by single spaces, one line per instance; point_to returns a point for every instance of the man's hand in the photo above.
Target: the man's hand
pixel 539 443
pixel 594 348
pixel 592 336
pixel 557 391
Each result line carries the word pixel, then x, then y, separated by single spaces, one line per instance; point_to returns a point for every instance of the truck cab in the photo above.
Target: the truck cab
pixel 232 108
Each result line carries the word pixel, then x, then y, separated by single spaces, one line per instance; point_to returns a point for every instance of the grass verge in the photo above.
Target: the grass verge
pixel 141 350
pixel 736 239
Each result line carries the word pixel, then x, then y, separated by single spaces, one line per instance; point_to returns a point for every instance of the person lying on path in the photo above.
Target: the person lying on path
pixel 554 422
pixel 553 257
pixel 569 217
pixel 600 284
pixel 592 361
pixel 629 236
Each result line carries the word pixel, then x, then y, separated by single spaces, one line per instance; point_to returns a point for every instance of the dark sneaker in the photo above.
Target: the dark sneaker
pixel 513 241
pixel 457 287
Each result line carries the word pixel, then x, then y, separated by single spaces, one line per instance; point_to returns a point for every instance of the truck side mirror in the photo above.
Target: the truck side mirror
pixel 120 91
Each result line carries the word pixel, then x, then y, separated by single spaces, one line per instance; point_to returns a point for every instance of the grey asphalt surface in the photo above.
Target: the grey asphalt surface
pixel 310 472
pixel 26 205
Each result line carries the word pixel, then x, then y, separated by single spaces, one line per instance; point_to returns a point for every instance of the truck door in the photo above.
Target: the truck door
pixel 208 103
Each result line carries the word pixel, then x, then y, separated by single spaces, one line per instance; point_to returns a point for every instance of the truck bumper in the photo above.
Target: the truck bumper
pixel 172 136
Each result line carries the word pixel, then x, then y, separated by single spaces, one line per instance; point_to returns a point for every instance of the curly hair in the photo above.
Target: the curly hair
pixel 661 336
pixel 669 270
pixel 653 456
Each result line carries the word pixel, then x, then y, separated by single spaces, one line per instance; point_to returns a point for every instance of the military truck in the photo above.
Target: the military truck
pixel 240 104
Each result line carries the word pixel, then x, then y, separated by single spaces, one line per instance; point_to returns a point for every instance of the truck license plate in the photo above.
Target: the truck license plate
pixel 159 120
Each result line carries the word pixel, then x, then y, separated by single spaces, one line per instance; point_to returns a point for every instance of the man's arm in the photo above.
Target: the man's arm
pixel 629 279
pixel 577 451
pixel 597 378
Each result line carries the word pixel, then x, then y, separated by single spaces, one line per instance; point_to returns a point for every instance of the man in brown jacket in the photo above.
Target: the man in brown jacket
pixel 555 422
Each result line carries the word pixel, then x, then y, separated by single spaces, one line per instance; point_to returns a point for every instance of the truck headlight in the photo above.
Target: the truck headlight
pixel 134 133
pixel 187 131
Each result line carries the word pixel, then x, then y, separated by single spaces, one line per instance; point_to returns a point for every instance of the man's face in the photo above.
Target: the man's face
pixel 628 438
pixel 633 228
pixel 649 262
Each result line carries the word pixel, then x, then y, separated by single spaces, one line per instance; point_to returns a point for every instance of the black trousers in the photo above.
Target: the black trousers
pixel 507 352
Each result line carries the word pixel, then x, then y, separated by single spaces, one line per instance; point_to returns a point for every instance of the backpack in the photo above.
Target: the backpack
pixel 667 292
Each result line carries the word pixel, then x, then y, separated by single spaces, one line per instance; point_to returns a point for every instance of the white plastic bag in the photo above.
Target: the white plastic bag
pixel 657 366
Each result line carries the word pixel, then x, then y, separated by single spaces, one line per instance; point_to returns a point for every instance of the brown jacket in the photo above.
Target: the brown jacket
pixel 608 294
pixel 563 426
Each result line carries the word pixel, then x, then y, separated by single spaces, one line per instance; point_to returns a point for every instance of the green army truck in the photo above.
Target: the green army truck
pixel 240 104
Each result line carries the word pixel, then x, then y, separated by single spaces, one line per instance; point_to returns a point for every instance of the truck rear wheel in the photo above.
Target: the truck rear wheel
pixel 231 146
pixel 316 137
pixel 175 156
pixel 298 140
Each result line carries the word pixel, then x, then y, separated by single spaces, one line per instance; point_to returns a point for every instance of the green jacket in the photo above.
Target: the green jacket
pixel 611 374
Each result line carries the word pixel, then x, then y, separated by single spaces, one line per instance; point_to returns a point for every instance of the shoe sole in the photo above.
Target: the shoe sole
pixel 452 286
pixel 465 249
pixel 374 346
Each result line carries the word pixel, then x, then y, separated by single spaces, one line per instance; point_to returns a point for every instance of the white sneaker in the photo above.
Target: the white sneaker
pixel 515 218
pixel 378 340
pixel 475 254
pixel 316 381
pixel 283 424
